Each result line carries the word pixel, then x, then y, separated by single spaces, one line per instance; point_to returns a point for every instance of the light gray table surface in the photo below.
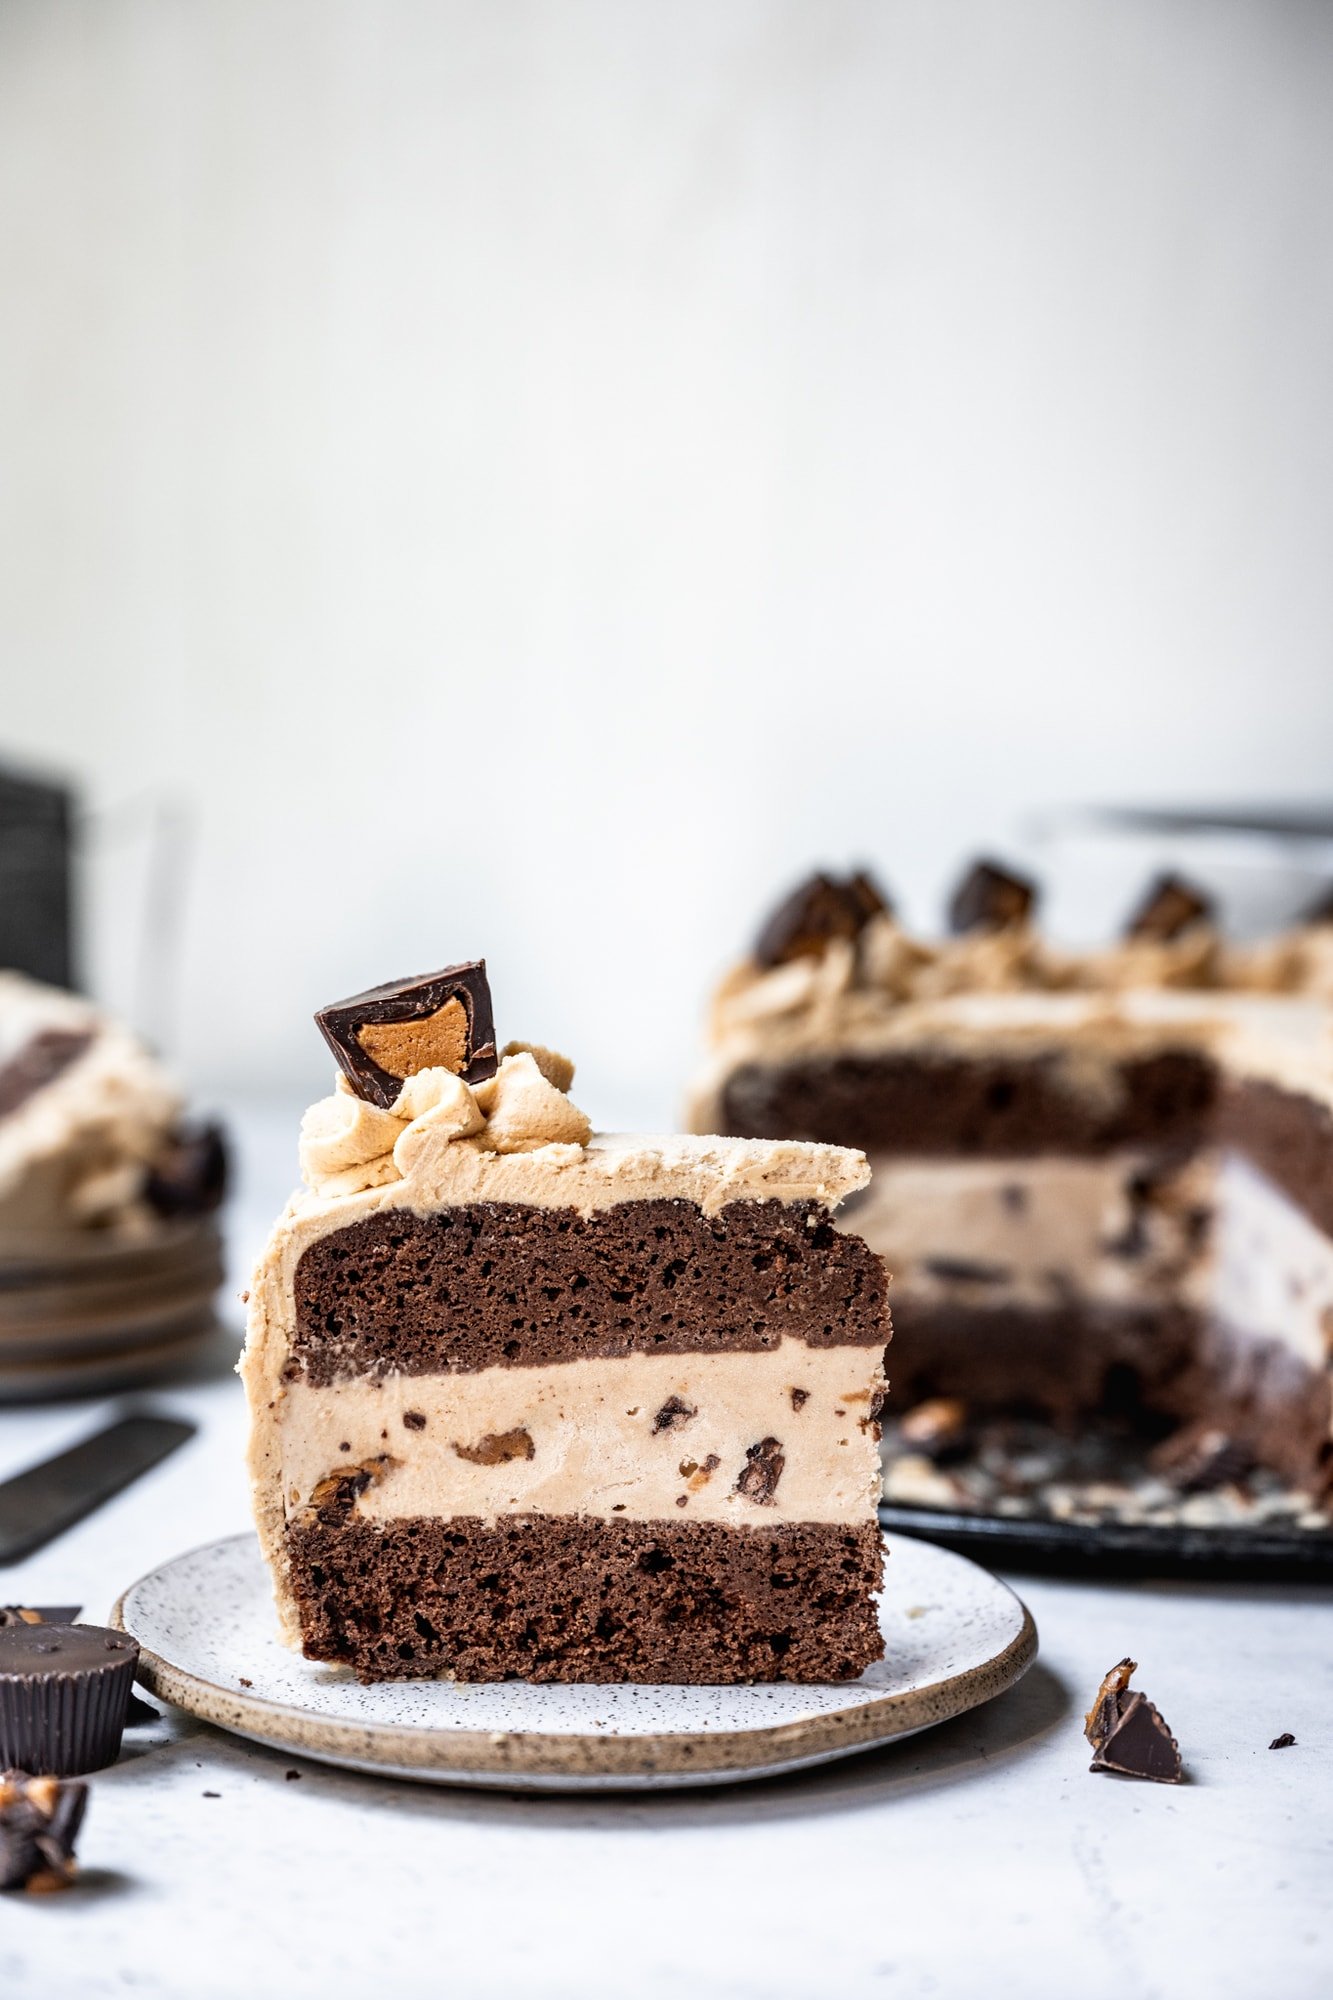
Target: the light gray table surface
pixel 979 1859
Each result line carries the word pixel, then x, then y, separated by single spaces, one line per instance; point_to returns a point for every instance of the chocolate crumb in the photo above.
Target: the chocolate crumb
pixel 1286 1741
pixel 413 1420
pixel 212 1795
pixel 673 1413
pixel 497 1448
pixel 682 1499
pixel 758 1479
pixel 244 1682
pixel 291 1776
pixel 799 1398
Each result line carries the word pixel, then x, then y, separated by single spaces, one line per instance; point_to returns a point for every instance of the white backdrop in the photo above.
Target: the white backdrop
pixel 530 479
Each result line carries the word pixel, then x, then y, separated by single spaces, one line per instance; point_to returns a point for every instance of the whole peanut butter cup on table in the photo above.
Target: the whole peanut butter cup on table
pixel 64 1696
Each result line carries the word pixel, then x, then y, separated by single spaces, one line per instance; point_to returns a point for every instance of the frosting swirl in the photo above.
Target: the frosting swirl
pixel 348 1145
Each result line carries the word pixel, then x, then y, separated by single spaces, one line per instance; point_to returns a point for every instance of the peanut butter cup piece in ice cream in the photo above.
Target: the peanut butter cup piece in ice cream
pixel 439 1020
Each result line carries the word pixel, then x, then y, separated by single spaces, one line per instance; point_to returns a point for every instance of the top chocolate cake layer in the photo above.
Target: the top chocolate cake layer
pixel 500 1283
pixel 932 1101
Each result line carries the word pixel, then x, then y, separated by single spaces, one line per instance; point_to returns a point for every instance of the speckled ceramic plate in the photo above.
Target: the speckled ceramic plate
pixel 954 1637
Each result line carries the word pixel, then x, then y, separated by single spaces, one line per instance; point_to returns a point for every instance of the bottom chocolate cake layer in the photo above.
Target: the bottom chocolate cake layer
pixel 550 1597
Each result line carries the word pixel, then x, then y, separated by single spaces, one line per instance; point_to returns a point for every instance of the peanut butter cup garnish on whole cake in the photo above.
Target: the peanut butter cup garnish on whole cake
pixel 524 1399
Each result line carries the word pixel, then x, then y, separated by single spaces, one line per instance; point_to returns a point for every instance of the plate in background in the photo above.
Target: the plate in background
pixel 1123 1548
pixel 83 1314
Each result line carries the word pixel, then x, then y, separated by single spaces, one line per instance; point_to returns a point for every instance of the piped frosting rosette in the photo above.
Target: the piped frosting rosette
pixel 349 1145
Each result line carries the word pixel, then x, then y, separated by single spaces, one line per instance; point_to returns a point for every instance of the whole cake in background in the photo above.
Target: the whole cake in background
pixel 531 1402
pixel 93 1135
pixel 1103 1181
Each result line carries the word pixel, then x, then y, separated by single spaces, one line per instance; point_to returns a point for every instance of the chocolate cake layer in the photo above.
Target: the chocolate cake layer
pixel 564 1598
pixel 1127 1362
pixel 1288 1137
pixel 496 1283
pixel 928 1101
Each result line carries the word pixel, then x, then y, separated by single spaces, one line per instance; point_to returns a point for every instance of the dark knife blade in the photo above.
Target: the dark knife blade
pixel 39 1504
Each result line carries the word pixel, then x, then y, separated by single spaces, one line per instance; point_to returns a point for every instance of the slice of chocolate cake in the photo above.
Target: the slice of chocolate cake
pixel 1103 1183
pixel 528 1402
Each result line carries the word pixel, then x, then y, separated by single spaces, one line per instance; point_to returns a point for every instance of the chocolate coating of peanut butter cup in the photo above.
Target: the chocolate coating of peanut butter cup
pixel 821 909
pixel 440 1020
pixel 990 898
pixel 64 1694
pixel 1169 907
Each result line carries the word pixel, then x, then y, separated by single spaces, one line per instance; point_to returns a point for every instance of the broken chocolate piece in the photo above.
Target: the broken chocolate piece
pixel 498 1448
pixel 1199 1459
pixel 1140 1745
pixel 759 1477
pixel 64 1692
pixel 673 1413
pixel 40 1061
pixel 441 1020
pixel 1286 1741
pixel 190 1178
pixel 990 898
pixel 38 1614
pixel 820 910
pixel 1127 1732
pixel 1170 906
pixel 39 1824
pixel 936 1428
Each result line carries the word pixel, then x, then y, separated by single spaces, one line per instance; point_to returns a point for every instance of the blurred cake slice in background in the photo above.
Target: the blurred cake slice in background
pixel 93 1134
pixel 110 1253
pixel 1102 1182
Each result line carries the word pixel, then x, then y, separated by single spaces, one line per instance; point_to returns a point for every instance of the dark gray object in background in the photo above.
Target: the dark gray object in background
pixel 36 915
